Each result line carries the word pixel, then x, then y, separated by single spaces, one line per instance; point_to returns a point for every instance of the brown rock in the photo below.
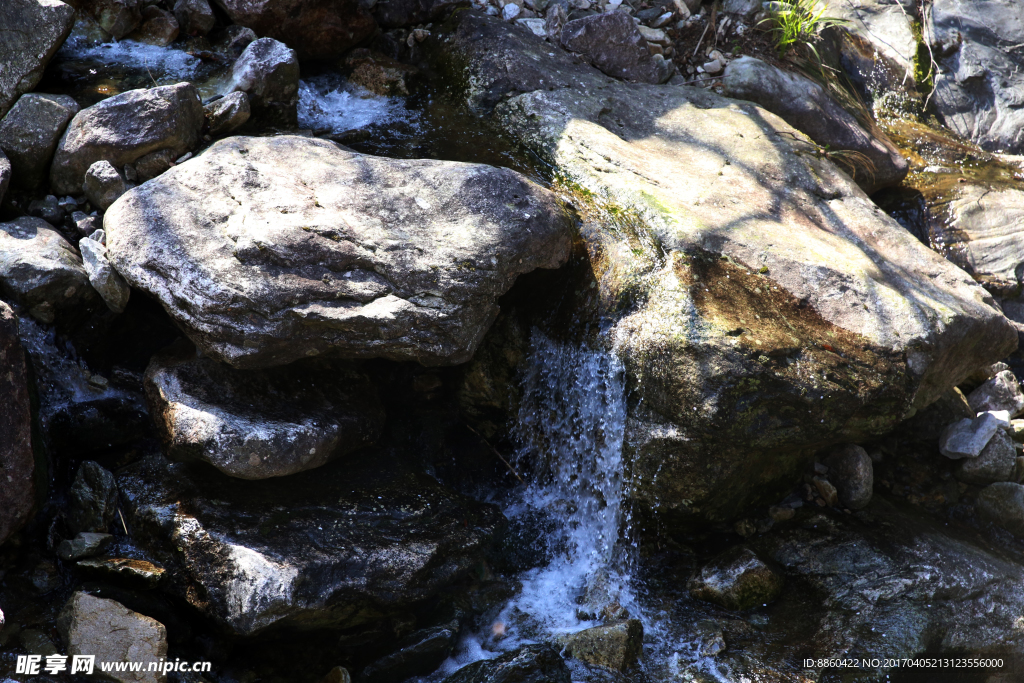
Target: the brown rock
pixel 615 646
pixel 158 27
pixel 736 579
pixel 17 464
pixel 378 73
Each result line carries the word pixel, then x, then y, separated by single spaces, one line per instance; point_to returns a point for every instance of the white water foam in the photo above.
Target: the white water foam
pixel 329 104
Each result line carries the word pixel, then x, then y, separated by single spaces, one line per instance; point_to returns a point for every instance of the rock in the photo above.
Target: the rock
pixel 979 81
pixel 113 633
pixel 158 27
pixel 349 544
pixel 329 276
pixel 615 646
pixel 418 655
pixel 987 221
pixel 378 73
pixel 133 573
pixel 1002 503
pixel 745 8
pixel 85 544
pixel 255 424
pixel 826 490
pixel 1002 392
pixel 806 106
pixel 510 11
pixel 40 270
pixel 233 40
pixel 726 289
pixel 737 579
pixel 876 46
pixel 714 67
pixel 49 209
pixel 268 72
pixel 103 185
pixel 968 437
pixel 400 13
pixel 338 674
pixel 227 114
pixel 317 29
pixel 929 423
pixel 92 499
pixel 17 461
pixel 104 279
pixel 194 17
pixel 116 17
pixel 852 473
pixel 29 134
pixel 708 633
pixel 31 31
pixel 997 462
pixel 1017 430
pixel 612 42
pixel 527 664
pixel 126 127
pixel 151 165
pixel 5 175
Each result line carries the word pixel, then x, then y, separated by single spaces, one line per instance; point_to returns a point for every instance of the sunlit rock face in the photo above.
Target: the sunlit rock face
pixel 267 250
pixel 762 305
pixel 344 546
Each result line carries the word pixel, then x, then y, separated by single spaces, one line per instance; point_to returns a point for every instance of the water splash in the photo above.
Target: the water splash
pixel 166 64
pixel 328 104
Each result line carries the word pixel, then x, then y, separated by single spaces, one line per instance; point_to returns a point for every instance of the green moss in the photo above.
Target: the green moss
pixel 922 62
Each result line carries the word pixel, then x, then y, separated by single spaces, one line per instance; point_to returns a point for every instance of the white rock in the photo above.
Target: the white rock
pixel 968 438
pixel 535 25
pixel 713 67
pixel 510 11
pixel 1001 393
pixel 102 276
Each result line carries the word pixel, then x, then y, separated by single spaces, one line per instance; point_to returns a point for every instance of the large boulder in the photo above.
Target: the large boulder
pixel 979 88
pixel 113 634
pixel 255 424
pixel 126 127
pixel 873 162
pixel 29 134
pixel 762 305
pixel 41 270
pixel 268 72
pixel 116 17
pixel 267 250
pixel 316 29
pixel 17 461
pixel 613 43
pixel 31 31
pixel 348 545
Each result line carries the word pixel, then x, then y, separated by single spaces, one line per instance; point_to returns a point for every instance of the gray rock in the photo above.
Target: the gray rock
pixel 31 31
pixel 103 185
pixel 612 42
pixel 29 134
pixel 349 544
pixel 419 654
pixel 153 164
pixel 851 470
pixel 268 72
pixel 104 279
pixel 997 462
pixel 116 17
pixel 85 544
pixel 125 127
pixel 527 664
pixel 267 287
pixel 92 500
pixel 317 29
pixel 227 114
pixel 1003 503
pixel 979 86
pixel 17 462
pixel 195 17
pixel 745 8
pixel 1002 392
pixel 86 224
pixel 49 209
pixel 158 27
pixel 5 175
pixel 113 633
pixel 989 224
pixel 255 424
pixel 613 646
pixel 233 40
pixel 806 106
pixel 40 270
pixel 783 234
pixel 968 437
pixel 737 579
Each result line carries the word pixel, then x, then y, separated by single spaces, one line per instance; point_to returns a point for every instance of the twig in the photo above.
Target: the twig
pixel 495 451
pixel 701 40
pixel 933 68
pixel 125 526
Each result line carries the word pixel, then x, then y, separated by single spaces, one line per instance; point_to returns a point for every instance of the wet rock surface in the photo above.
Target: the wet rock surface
pixel 17 462
pixel 32 31
pixel 806 106
pixel 616 646
pixel 737 579
pixel 255 424
pixel 528 664
pixel 29 134
pixel 126 127
pixel 93 499
pixel 344 546
pixel 307 261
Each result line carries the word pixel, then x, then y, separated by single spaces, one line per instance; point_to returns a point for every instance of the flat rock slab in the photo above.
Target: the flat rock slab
pixel 267 250
pixel 346 545
pixel 255 424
